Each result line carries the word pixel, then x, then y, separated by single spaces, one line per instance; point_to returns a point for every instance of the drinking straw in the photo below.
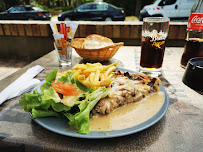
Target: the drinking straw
pixel 67 31
pixel 62 31
pixel 54 27
pixel 62 28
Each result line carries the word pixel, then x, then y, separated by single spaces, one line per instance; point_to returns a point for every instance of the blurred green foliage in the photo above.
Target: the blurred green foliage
pixel 63 8
pixel 42 6
pixel 5 4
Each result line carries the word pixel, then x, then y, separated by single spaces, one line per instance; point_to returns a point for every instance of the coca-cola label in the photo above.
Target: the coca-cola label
pixel 195 21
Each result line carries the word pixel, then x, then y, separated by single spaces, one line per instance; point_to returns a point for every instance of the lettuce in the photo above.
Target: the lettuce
pixel 72 100
pixel 44 113
pixel 45 86
pixel 66 78
pixel 48 103
pixel 30 101
pixel 51 76
pixel 78 84
pixel 81 120
pixel 73 81
pixel 60 107
pixel 51 94
pixel 49 79
pixel 42 105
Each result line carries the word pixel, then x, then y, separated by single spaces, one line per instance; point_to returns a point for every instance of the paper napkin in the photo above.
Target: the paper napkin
pixel 21 85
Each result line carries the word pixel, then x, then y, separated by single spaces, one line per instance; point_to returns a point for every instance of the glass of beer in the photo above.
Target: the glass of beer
pixel 154 34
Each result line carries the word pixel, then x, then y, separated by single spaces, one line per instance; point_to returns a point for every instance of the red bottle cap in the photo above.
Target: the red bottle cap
pixel 195 22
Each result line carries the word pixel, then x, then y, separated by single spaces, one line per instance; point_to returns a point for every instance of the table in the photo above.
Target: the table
pixel 181 129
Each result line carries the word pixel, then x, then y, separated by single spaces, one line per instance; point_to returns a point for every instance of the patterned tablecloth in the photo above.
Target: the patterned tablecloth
pixel 181 129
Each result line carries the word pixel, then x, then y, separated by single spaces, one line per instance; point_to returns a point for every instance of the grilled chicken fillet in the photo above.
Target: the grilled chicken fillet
pixel 127 88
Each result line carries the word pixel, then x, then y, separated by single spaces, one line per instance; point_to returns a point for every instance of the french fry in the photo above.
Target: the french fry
pixel 105 82
pixel 101 76
pixel 59 74
pixel 86 74
pixel 111 69
pixel 88 78
pixel 81 77
pixel 76 74
pixel 90 70
pixel 96 85
pixel 93 65
pixel 93 75
pixel 114 64
pixel 86 83
pixel 109 76
pixel 96 78
pixel 79 66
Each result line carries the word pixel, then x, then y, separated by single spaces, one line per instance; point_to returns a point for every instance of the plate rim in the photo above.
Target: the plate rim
pixel 107 134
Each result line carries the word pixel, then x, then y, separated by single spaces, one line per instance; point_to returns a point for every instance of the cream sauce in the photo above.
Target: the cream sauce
pixel 128 115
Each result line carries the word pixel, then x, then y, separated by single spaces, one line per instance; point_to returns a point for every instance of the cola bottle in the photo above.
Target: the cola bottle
pixel 194 39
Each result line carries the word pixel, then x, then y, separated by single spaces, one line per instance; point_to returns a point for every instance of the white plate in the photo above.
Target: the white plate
pixel 60 126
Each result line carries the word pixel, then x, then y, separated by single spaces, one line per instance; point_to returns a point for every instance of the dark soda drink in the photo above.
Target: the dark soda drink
pixel 193 48
pixel 152 53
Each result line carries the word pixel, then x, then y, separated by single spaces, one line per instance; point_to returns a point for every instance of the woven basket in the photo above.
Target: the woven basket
pixel 95 55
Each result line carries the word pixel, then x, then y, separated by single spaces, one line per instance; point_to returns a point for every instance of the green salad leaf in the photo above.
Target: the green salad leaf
pixel 76 108
pixel 81 120
pixel 44 113
pixel 45 86
pixel 44 104
pixel 78 84
pixel 30 101
pixel 73 81
pixel 51 76
pixel 50 93
pixel 66 78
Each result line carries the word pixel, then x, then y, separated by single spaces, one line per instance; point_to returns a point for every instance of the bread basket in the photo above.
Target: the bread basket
pixel 95 55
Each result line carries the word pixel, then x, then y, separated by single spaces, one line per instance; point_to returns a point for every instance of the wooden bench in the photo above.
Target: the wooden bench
pixel 33 39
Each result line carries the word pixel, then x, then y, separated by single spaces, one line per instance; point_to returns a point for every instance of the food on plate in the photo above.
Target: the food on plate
pixel 127 88
pixel 128 115
pixel 85 90
pixel 94 75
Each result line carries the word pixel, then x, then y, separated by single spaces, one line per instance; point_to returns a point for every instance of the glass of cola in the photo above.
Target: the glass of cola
pixel 154 34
